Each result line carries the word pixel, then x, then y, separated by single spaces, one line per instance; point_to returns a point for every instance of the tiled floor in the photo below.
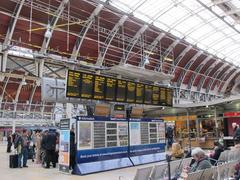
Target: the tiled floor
pixel 36 172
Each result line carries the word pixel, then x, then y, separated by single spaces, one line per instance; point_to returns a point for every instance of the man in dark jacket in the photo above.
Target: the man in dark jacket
pixel 218 149
pixel 50 146
pixel 72 149
pixel 9 143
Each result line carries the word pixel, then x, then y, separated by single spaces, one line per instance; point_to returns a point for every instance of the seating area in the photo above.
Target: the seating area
pixel 224 169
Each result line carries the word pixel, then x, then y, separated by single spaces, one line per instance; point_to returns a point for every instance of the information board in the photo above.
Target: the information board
pixel 121 90
pixel 110 90
pixel 73 82
pixel 155 95
pixel 148 94
pixel 87 85
pixel 131 87
pixel 139 93
pixel 98 87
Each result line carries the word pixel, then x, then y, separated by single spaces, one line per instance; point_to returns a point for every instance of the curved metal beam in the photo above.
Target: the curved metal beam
pixel 206 77
pixel 200 67
pixel 130 46
pixel 9 35
pixel 109 39
pixel 215 75
pixel 151 47
pixel 86 26
pixel 229 80
pixel 51 25
pixel 188 66
pixel 31 97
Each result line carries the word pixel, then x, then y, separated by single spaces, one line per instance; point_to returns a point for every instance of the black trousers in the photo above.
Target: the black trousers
pixel 50 157
pixel 9 145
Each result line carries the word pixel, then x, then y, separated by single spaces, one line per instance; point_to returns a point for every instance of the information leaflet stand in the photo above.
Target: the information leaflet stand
pixel 64 145
pixel 102 144
pixel 147 140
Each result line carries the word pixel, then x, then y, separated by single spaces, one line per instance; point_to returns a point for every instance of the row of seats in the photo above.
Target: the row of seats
pixel 224 168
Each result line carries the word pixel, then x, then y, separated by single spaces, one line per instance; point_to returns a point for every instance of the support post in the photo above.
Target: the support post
pixel 216 122
pixel 188 127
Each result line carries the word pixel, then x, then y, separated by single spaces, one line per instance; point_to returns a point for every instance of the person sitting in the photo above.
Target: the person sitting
pixel 177 151
pixel 218 149
pixel 201 160
pixel 236 130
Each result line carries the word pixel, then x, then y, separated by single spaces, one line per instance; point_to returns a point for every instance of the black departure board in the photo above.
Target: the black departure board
pixel 139 93
pixel 87 85
pixel 169 97
pixel 148 94
pixel 155 95
pixel 73 82
pixel 110 90
pixel 163 96
pixel 99 87
pixel 121 90
pixel 131 87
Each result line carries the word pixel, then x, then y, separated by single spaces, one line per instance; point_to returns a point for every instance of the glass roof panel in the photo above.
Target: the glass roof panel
pixel 200 22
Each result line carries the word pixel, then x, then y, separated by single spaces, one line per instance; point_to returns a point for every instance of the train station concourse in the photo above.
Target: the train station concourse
pixel 120 89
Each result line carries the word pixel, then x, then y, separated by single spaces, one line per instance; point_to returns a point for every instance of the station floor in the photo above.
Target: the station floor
pixel 36 172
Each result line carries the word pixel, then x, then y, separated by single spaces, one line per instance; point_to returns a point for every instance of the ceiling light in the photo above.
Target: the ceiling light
pixel 167 59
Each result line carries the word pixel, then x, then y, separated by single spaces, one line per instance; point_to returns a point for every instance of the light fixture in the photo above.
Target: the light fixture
pixel 167 59
pixel 146 59
pixel 149 52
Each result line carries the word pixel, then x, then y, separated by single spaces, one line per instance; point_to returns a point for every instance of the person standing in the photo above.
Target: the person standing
pixel 169 136
pixel 25 148
pixel 72 149
pixel 9 143
pixel 18 145
pixel 50 146
pixel 38 147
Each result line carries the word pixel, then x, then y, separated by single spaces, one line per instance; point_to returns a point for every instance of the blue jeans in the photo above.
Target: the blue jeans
pixel 20 159
pixel 25 155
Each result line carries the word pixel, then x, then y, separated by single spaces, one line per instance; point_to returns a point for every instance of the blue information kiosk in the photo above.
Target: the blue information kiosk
pixel 102 144
pixel 147 140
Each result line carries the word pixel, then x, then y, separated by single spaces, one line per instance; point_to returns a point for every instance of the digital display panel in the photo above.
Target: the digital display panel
pixel 110 90
pixel 148 94
pixel 121 90
pixel 73 82
pixel 155 95
pixel 162 96
pixel 169 97
pixel 99 87
pixel 131 86
pixel 87 84
pixel 139 93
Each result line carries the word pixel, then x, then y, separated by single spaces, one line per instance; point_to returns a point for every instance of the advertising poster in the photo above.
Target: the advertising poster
pixel 135 136
pixel 64 151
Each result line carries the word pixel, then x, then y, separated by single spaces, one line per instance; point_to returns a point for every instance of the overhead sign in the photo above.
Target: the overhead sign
pixel 90 86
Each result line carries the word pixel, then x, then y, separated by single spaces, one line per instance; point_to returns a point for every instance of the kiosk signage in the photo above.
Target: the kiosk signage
pixel 147 140
pixel 64 145
pixel 102 144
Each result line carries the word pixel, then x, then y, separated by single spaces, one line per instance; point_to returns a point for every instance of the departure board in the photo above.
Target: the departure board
pixel 87 85
pixel 73 82
pixel 121 90
pixel 99 87
pixel 169 97
pixel 110 91
pixel 131 86
pixel 155 95
pixel 139 93
pixel 148 94
pixel 162 96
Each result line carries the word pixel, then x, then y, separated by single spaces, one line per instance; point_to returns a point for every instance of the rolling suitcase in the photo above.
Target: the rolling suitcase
pixel 13 161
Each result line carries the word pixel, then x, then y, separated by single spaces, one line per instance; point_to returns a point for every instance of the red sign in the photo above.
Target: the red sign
pixel 232 114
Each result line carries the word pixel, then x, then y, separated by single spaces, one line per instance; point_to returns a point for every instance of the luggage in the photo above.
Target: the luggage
pixel 13 161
